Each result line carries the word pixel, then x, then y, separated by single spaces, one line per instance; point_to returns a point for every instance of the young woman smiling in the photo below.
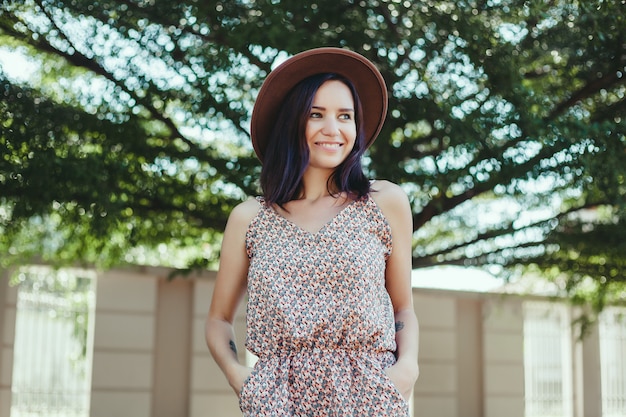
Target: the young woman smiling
pixel 324 255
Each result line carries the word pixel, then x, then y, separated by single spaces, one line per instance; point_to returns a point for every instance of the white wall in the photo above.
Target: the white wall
pixel 150 358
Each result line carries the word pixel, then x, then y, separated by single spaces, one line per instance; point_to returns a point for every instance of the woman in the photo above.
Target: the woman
pixel 324 256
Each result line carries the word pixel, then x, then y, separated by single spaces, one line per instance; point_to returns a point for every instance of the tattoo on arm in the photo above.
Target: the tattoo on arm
pixel 232 346
pixel 399 326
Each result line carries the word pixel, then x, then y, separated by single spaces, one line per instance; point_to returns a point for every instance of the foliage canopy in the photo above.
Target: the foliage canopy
pixel 129 142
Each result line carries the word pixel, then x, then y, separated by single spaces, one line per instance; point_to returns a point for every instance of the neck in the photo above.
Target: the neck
pixel 315 184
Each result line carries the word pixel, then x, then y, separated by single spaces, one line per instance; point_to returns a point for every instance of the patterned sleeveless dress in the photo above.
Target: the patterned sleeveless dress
pixel 319 317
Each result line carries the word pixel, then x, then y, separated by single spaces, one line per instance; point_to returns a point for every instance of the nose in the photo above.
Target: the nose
pixel 331 127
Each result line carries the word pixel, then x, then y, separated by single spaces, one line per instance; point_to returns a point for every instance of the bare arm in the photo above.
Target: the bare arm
pixel 395 206
pixel 229 291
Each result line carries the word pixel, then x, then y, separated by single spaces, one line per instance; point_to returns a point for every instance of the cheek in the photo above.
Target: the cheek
pixel 351 134
pixel 309 131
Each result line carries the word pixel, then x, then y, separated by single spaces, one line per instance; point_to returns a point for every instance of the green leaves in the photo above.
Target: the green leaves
pixel 129 143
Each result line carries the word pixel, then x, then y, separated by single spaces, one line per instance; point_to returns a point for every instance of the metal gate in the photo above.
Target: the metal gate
pixel 53 343
pixel 547 360
pixel 613 361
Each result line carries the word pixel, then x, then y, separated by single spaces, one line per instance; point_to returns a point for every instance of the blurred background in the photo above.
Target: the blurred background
pixel 124 144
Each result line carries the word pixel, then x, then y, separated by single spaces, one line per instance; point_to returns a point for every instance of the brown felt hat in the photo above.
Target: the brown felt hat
pixel 368 81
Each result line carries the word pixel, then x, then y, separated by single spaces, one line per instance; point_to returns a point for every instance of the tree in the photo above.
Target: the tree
pixel 505 126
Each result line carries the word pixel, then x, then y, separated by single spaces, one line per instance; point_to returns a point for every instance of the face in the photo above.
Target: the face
pixel 331 126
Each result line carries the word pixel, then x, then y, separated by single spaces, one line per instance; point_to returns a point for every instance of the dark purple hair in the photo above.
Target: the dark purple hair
pixel 287 154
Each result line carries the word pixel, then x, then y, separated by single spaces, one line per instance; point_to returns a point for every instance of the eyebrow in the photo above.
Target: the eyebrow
pixel 347 109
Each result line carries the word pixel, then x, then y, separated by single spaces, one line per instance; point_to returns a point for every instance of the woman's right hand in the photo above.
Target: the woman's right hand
pixel 238 378
pixel 403 376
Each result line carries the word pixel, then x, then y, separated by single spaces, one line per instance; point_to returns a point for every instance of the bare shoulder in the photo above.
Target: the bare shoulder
pixel 243 213
pixel 394 204
pixel 389 197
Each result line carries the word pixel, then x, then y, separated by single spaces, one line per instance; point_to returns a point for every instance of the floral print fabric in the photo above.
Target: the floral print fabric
pixel 319 317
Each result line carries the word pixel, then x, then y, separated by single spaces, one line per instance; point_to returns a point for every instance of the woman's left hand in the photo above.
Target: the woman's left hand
pixel 403 376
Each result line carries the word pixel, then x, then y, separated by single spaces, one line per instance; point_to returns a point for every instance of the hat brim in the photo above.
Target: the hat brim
pixel 368 81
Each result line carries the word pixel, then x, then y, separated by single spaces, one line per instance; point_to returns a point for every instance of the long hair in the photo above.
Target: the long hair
pixel 287 153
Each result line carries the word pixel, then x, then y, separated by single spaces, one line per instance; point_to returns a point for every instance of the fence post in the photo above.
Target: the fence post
pixel 587 379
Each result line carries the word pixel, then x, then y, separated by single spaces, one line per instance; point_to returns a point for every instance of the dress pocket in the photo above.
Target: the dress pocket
pixel 392 386
pixel 245 388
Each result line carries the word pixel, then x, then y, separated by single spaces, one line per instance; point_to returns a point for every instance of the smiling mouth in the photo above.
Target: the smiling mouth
pixel 329 145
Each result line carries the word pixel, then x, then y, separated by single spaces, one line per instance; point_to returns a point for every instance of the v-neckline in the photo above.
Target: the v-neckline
pixel 321 229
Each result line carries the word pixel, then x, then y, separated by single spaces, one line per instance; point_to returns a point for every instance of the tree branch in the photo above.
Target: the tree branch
pixel 591 88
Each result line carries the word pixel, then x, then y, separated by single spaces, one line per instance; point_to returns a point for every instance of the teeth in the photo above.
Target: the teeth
pixel 329 145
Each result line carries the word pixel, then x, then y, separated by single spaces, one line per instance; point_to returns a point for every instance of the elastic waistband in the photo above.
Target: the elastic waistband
pixel 311 348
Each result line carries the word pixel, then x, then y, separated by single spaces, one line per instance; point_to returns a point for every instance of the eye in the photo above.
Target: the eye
pixel 315 115
pixel 345 116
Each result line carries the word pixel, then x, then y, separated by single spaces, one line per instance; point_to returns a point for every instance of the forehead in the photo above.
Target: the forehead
pixel 334 91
